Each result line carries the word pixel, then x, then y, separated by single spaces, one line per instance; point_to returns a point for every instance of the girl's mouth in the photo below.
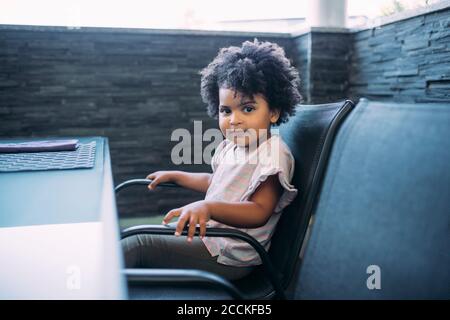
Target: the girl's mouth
pixel 237 133
pixel 238 130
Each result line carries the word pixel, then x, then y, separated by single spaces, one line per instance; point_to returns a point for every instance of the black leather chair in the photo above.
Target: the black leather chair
pixel 309 134
pixel 381 226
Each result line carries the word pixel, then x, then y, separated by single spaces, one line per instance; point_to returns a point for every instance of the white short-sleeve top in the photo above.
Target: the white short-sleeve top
pixel 237 173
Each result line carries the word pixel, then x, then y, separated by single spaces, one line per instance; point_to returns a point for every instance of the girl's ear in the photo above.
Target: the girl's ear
pixel 274 115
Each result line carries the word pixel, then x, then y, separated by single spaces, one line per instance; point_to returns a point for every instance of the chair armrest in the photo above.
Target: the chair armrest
pixel 146 182
pixel 217 232
pixel 179 277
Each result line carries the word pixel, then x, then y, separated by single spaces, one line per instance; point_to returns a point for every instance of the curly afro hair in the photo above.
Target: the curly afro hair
pixel 255 68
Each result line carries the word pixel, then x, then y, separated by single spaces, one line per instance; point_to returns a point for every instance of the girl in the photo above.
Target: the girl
pixel 248 89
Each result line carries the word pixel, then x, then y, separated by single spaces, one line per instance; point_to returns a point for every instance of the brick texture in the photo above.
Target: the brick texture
pixel 136 87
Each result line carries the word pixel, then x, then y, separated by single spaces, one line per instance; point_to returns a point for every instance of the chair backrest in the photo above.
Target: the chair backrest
pixel 381 226
pixel 309 135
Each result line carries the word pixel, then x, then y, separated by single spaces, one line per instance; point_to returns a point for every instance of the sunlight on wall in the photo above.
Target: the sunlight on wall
pixel 282 16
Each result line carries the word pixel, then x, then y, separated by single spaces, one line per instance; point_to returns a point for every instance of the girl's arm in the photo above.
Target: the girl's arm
pixel 249 214
pixel 253 213
pixel 190 180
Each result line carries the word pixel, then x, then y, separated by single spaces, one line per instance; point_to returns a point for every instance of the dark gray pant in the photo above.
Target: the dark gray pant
pixel 156 251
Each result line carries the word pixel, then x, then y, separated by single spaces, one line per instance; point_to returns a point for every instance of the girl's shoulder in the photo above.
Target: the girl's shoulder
pixel 275 145
pixel 219 153
pixel 276 153
pixel 223 146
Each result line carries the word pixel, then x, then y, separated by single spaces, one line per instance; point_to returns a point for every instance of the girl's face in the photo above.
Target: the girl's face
pixel 245 120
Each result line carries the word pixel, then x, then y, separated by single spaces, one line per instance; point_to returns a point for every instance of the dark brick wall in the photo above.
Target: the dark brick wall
pixel 302 61
pixel 323 60
pixel 329 66
pixel 133 87
pixel 404 61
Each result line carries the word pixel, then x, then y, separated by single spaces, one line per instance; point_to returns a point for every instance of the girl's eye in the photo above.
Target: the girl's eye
pixel 225 111
pixel 249 109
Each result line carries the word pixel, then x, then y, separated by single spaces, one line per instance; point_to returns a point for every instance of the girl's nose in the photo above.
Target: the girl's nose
pixel 234 119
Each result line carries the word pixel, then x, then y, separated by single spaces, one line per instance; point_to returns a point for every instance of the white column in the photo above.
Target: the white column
pixel 327 13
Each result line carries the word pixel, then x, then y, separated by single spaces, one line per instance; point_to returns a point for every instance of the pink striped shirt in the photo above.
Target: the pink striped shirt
pixel 237 173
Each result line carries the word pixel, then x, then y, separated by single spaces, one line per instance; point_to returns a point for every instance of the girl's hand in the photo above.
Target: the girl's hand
pixel 159 177
pixel 194 213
